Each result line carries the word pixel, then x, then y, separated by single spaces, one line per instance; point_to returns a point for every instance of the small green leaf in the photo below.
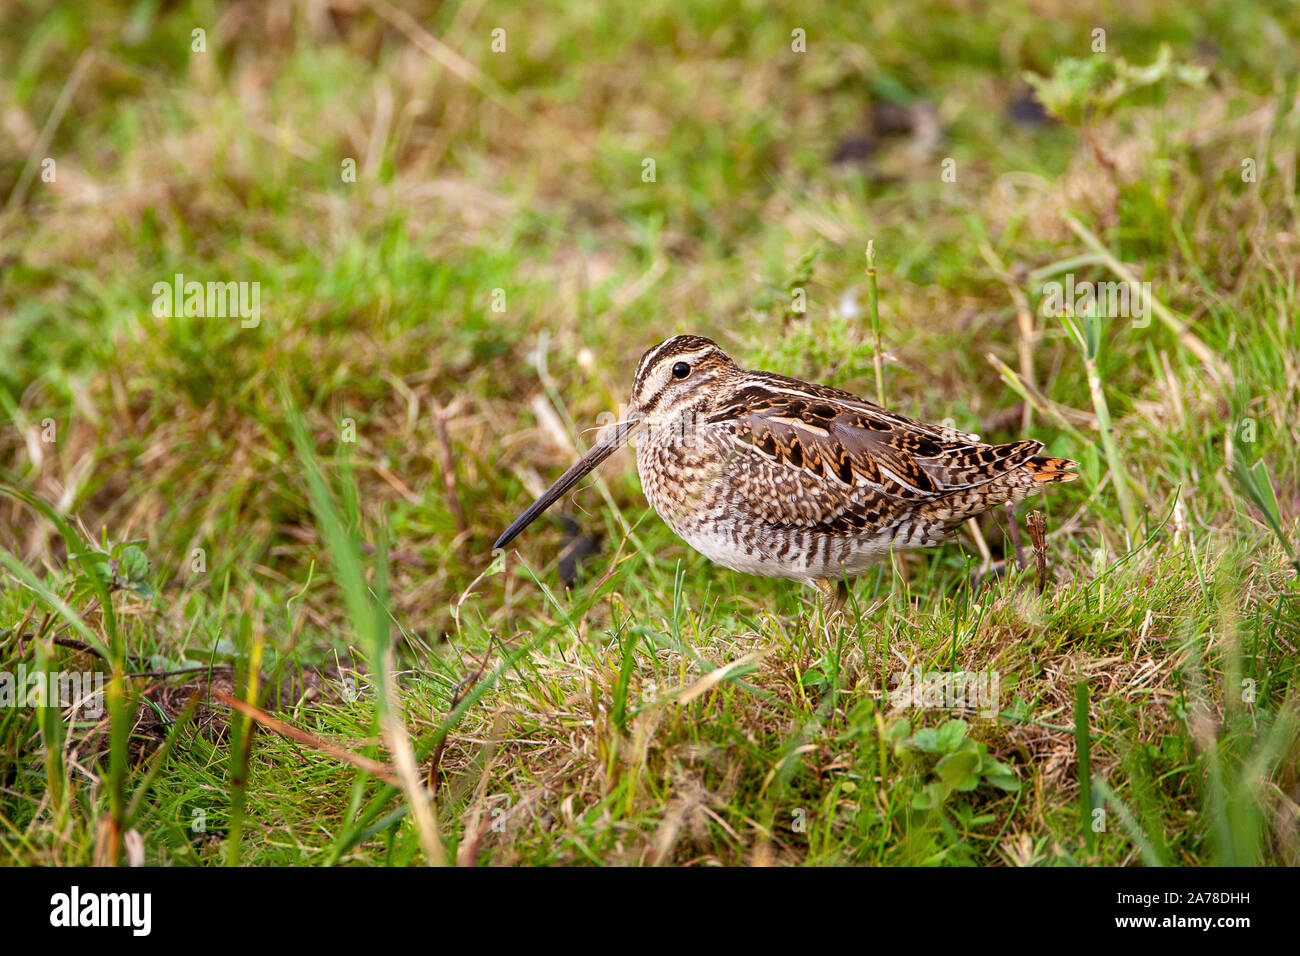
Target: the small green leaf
pixel 1256 484
pixel 898 733
pixel 928 798
pixel 960 770
pixel 141 588
pixel 813 676
pixel 1082 88
pixel 1091 335
pixel 225 647
pixel 132 565
pixel 927 739
pixel 950 735
pixel 1000 775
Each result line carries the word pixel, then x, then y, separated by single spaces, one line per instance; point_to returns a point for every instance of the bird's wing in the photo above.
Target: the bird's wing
pixel 850 454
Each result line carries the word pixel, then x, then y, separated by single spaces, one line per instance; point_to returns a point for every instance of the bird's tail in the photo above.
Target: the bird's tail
pixel 1046 469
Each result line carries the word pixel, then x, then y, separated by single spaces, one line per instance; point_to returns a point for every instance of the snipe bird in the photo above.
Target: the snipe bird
pixel 774 476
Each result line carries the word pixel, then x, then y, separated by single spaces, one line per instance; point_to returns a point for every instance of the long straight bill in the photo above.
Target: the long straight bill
pixel 602 450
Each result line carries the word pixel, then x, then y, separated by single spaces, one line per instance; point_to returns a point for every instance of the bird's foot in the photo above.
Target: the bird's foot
pixel 835 595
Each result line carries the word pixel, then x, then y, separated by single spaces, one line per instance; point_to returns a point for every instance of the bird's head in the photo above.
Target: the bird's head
pixel 678 378
pixel 675 383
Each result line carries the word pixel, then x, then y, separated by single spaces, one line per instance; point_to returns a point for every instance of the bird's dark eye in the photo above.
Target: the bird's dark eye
pixel 681 370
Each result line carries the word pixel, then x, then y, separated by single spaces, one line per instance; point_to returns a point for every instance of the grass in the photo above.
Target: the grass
pixel 317 495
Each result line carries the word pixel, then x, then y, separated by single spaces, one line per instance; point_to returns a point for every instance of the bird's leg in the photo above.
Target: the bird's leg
pixel 841 596
pixel 835 594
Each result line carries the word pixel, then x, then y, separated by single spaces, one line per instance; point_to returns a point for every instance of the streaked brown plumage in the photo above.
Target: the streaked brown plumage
pixel 774 476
